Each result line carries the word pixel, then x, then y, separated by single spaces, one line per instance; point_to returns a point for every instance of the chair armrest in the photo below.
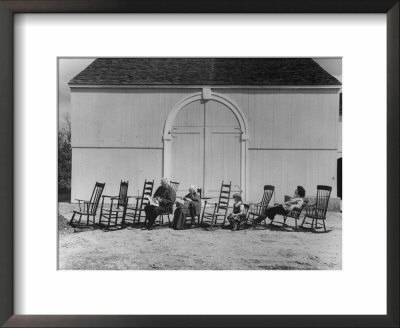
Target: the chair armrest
pixel 253 203
pixel 207 204
pixel 86 205
pixel 310 208
pixel 107 196
pixel 80 201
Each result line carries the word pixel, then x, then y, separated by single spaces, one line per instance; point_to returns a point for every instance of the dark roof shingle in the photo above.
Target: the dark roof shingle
pixel 204 71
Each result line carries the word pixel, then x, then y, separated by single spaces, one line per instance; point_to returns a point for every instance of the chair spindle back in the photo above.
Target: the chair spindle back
pixel 323 195
pixel 268 193
pixel 123 194
pixel 95 198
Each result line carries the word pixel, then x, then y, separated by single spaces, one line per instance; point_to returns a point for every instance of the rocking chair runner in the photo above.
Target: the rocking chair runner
pixel 257 210
pixel 115 211
pixel 160 218
pixel 88 208
pixel 220 209
pixel 318 210
pixel 135 212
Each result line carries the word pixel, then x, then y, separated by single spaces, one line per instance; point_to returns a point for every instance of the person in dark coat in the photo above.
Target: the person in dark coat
pixel 190 208
pixel 165 196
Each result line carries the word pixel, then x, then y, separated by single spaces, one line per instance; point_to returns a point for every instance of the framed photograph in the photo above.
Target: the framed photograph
pixel 158 113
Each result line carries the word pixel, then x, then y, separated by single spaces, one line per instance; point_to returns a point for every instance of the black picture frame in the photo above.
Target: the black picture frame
pixel 7 10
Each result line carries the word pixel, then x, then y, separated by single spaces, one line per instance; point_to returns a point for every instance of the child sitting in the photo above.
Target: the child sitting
pixel 237 215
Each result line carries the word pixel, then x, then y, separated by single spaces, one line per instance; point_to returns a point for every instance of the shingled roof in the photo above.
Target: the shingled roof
pixel 204 71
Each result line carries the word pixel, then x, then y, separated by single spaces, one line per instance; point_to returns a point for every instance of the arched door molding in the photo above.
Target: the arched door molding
pixel 204 95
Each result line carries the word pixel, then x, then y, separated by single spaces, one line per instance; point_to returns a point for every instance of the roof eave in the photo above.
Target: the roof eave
pixel 183 86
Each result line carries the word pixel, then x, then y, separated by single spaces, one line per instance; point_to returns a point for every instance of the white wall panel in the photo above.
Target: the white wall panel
pixel 111 166
pixel 289 118
pixel 117 134
pixel 286 169
pixel 121 118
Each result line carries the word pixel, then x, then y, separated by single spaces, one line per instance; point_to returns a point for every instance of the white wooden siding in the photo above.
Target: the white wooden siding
pixel 286 169
pixel 117 135
pixel 111 166
pixel 286 119
pixel 121 118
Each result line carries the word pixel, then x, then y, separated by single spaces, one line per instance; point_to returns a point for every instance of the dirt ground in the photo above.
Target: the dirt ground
pixel 268 248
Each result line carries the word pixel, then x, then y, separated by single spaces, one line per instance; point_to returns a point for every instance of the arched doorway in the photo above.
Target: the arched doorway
pixel 205 143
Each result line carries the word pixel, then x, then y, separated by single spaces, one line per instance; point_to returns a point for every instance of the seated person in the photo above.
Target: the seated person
pixel 165 197
pixel 295 202
pixel 191 206
pixel 237 214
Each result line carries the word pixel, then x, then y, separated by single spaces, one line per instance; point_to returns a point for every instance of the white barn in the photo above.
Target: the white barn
pixel 252 121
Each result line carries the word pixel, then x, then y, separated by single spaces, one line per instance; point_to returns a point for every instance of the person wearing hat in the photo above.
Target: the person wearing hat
pixel 190 205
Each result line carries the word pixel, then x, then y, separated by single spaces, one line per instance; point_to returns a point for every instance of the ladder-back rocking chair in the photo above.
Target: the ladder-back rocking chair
pixel 134 212
pixel 220 209
pixel 117 207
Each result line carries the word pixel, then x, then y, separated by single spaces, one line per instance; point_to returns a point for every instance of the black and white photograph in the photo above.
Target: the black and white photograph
pixel 199 163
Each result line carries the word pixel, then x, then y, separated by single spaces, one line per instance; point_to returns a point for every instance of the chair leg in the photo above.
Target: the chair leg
pixel 323 221
pixel 223 223
pixel 304 219
pixel 101 212
pixel 79 221
pixel 109 222
pixel 72 219
pixel 212 222
pixel 295 224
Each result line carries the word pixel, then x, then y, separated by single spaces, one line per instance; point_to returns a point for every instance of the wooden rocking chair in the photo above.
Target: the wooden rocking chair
pixel 318 210
pixel 220 210
pixel 135 211
pixel 117 208
pixel 293 214
pixel 257 210
pixel 88 208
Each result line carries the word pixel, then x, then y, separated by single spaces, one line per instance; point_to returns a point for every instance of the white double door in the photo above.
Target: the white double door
pixel 206 147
